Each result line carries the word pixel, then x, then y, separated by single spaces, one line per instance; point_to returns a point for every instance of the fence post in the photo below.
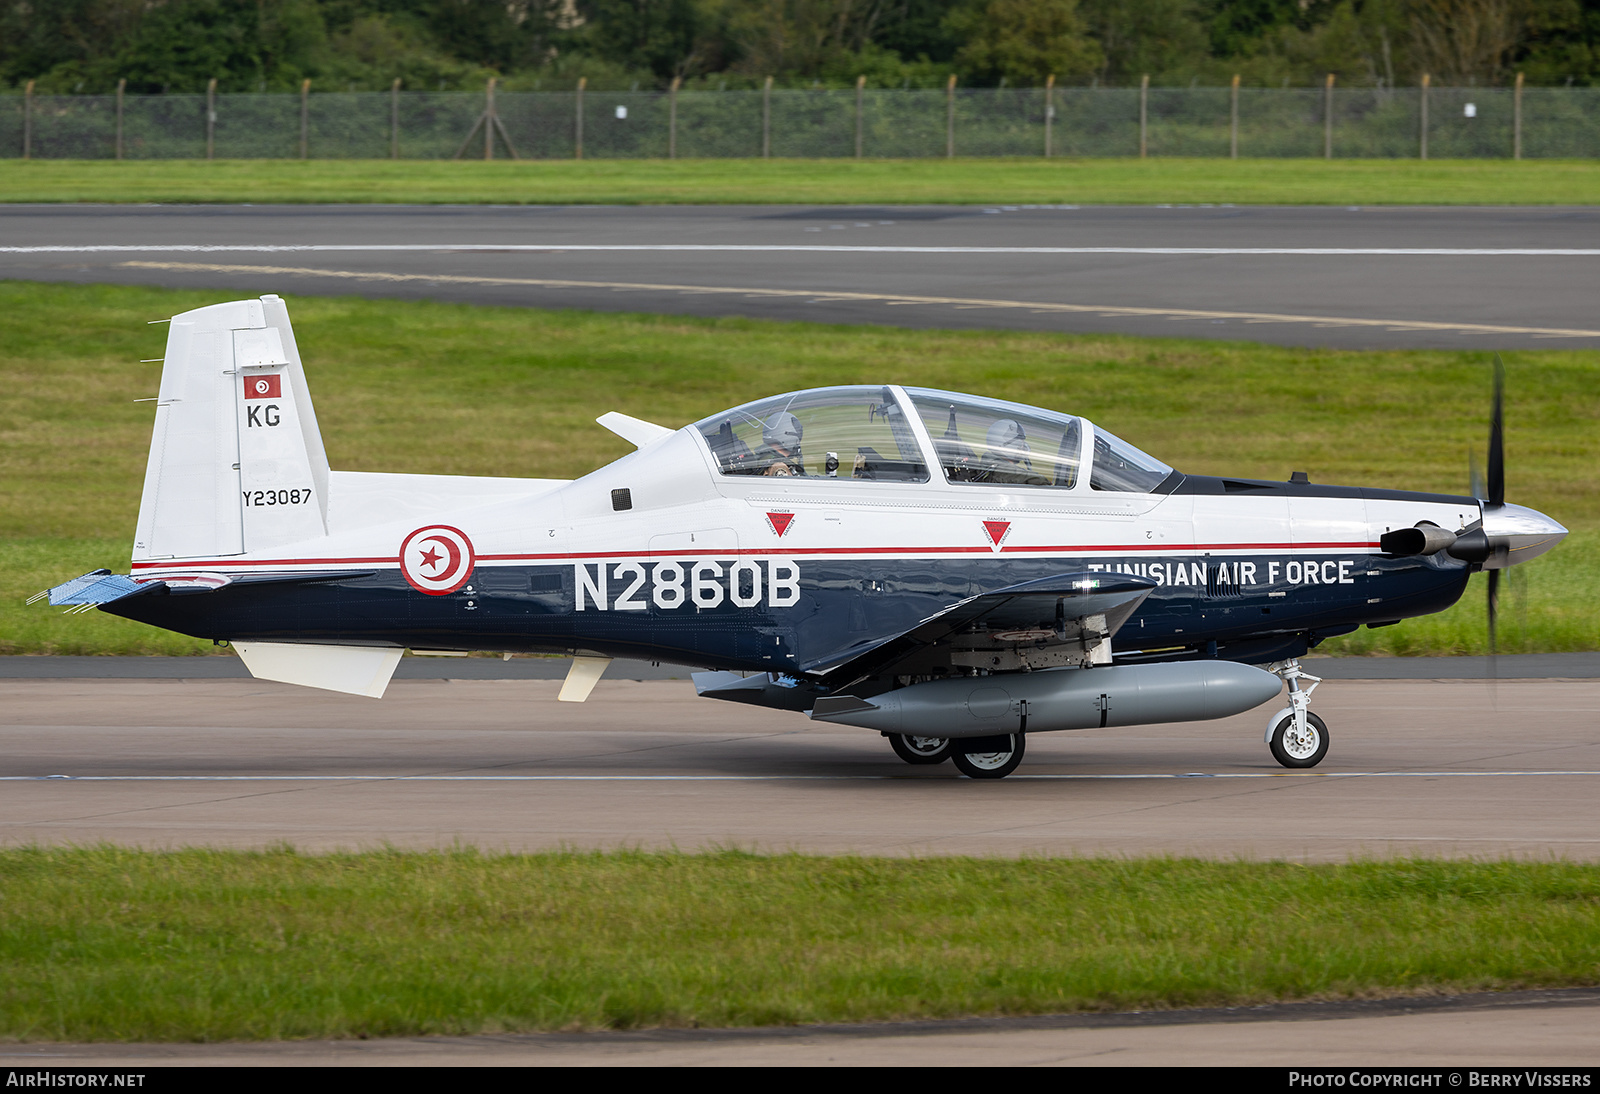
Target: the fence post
pixel 488 120
pixel 672 118
pixel 211 114
pixel 1327 120
pixel 1516 120
pixel 950 119
pixel 1049 110
pixel 1144 114
pixel 577 129
pixel 27 121
pixel 1233 120
pixel 122 85
pixel 394 119
pixel 305 117
pixel 1422 129
pixel 766 119
pixel 861 83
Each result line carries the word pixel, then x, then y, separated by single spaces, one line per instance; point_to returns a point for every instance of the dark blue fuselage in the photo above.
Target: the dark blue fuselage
pixel 1252 608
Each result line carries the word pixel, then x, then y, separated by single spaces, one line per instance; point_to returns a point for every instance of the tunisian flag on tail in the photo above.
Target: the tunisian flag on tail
pixel 269 386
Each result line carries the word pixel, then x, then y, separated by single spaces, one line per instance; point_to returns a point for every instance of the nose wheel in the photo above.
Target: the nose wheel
pixel 1294 746
pixel 1297 737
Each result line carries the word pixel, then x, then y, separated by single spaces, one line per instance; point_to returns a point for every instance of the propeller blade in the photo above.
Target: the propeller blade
pixel 1494 603
pixel 1497 452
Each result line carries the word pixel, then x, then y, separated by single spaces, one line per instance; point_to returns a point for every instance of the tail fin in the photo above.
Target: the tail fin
pixel 236 460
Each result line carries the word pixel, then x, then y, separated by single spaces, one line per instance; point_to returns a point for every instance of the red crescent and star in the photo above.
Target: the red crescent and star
pixel 431 556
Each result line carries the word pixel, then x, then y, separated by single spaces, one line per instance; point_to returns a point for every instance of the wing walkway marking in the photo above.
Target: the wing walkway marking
pixel 816 295
pixel 760 778
pixel 789 248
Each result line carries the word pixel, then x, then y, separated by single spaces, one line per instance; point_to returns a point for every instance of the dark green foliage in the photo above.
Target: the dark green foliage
pixel 73 46
pixel 657 36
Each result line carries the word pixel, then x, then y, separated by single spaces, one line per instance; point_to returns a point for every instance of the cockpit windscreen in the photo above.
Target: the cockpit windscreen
pixel 837 432
pixel 992 442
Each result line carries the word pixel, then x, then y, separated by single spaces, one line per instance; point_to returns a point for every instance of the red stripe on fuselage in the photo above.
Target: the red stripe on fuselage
pixel 188 565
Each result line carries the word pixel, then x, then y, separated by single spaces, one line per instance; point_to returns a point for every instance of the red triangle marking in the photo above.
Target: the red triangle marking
pixel 996 529
pixel 780 522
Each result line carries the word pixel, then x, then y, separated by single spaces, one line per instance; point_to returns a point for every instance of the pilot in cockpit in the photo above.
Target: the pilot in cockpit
pixel 780 446
pixel 1008 457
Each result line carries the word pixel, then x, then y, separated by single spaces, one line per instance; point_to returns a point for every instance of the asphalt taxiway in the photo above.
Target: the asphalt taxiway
pixel 1460 768
pixel 1363 277
pixel 1455 767
pixel 1549 1029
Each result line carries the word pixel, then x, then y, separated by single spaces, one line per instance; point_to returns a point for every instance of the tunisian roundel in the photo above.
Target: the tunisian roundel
pixel 436 560
pixel 269 386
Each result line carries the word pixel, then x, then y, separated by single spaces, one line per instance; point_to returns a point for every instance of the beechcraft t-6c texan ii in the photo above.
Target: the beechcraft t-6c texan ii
pixel 953 571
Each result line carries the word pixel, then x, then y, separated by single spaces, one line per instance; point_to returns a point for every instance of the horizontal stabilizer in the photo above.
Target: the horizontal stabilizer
pixel 355 670
pixel 1076 607
pixel 95 587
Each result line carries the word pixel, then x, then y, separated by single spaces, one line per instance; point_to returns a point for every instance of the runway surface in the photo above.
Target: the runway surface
pixel 1385 277
pixel 1447 768
pixel 1439 768
pixel 1541 1028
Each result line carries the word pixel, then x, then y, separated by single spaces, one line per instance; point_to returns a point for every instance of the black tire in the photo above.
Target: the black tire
pixel 1291 753
pixel 920 750
pixel 986 762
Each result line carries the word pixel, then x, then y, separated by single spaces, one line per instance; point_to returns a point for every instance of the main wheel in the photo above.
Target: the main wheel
pixel 1293 749
pixel 988 759
pixel 920 750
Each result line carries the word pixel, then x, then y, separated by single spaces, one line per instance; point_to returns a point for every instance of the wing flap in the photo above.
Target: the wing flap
pixel 1067 608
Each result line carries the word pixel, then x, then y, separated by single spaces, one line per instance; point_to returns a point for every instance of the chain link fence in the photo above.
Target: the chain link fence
pixel 823 123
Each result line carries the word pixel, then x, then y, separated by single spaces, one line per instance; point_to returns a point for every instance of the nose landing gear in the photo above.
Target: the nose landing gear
pixel 1297 737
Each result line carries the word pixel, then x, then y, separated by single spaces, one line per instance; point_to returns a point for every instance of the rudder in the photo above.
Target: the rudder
pixel 236 459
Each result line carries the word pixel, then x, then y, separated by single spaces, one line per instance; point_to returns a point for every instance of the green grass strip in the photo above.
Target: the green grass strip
pixel 433 388
pixel 107 944
pixel 958 181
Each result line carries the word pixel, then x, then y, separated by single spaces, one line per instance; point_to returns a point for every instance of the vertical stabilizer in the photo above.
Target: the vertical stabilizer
pixel 236 459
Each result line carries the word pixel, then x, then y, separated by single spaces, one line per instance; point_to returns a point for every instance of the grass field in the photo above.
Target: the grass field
pixel 117 945
pixel 456 389
pixel 959 181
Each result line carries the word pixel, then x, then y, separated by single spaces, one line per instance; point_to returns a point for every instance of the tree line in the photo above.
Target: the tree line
pixel 87 46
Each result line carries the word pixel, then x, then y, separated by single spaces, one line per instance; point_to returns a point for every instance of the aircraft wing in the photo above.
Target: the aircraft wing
pixel 1076 608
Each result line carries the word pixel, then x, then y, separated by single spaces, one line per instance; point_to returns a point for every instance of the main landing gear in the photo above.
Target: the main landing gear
pixel 920 750
pixel 975 757
pixel 1297 737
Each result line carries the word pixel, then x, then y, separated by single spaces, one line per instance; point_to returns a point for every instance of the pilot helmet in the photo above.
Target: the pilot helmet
pixel 1007 434
pixel 782 430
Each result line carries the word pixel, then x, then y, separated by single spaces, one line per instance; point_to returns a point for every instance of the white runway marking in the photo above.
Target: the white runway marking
pixel 760 778
pixel 792 248
pixel 822 296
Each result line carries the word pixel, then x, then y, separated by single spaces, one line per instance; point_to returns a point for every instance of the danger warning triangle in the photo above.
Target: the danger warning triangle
pixel 997 530
pixel 780 522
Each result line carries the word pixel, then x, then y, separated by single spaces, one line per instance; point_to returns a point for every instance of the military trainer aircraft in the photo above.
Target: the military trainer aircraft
pixel 952 571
